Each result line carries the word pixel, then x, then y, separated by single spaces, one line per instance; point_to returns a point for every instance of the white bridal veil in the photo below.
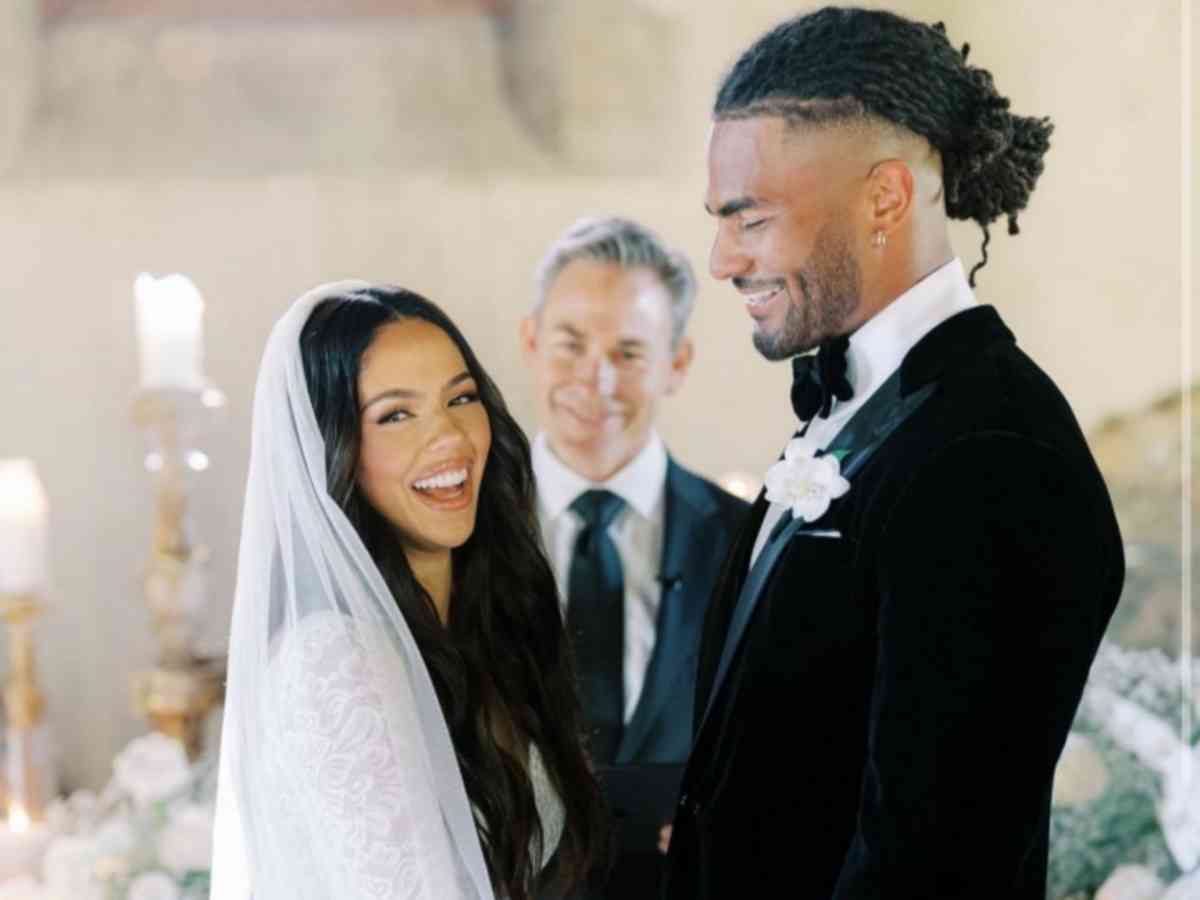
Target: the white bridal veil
pixel 338 778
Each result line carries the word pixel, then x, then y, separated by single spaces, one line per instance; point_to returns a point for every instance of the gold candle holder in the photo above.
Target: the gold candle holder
pixel 177 695
pixel 30 783
pixel 177 701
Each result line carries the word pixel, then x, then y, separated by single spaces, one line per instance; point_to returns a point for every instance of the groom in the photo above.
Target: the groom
pixel 900 636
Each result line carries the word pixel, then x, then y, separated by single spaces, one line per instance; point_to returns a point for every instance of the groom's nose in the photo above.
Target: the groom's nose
pixel 726 260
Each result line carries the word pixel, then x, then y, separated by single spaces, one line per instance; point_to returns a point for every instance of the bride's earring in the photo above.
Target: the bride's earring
pixel 879 239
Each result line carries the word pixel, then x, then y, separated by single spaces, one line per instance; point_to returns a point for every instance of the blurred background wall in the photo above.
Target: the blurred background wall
pixel 262 147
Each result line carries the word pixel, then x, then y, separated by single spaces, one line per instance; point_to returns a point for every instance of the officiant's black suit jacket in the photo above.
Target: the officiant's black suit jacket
pixel 700 521
pixel 890 723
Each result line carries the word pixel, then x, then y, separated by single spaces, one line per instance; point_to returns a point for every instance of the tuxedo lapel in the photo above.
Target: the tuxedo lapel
pixel 689 515
pixel 873 425
pixel 744 610
pixel 855 444
pixel 724 598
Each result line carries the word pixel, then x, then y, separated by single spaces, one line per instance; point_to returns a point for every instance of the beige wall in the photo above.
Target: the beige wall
pixel 165 178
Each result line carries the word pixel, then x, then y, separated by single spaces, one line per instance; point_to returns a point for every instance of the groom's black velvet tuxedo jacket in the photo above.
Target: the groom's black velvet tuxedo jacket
pixel 891 720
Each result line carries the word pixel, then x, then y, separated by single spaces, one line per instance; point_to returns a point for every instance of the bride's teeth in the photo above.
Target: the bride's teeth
pixel 444 480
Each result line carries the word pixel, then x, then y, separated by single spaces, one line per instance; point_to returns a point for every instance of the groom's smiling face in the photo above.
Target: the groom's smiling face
pixel 784 199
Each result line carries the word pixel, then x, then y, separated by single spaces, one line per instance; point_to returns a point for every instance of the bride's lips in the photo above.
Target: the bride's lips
pixel 447 486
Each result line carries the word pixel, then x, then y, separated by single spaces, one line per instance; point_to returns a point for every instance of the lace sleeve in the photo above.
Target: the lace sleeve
pixel 354 770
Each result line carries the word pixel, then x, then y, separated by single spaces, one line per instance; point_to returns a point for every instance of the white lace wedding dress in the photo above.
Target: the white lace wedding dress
pixel 339 778
pixel 333 764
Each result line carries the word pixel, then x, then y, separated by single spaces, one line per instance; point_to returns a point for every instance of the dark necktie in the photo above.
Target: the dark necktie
pixel 596 622
pixel 820 378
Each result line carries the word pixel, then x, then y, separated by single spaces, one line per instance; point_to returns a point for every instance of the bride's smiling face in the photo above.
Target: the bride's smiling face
pixel 425 435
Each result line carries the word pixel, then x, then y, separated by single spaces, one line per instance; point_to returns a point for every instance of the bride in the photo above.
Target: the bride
pixel 400 716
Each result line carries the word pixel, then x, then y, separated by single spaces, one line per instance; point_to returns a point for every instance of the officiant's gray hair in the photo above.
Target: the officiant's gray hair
pixel 629 245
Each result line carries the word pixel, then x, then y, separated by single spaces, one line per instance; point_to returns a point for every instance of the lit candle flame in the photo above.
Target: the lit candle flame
pixel 18 819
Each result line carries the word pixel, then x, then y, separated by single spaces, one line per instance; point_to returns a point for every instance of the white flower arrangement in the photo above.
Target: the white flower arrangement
pixel 1125 822
pixel 185 843
pixel 804 481
pixel 150 768
pixel 148 836
pixel 23 887
pixel 154 886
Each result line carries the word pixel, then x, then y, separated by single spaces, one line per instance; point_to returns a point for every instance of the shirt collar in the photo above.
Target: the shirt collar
pixel 880 345
pixel 639 483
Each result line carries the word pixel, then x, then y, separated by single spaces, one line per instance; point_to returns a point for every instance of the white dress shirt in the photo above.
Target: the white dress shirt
pixel 637 532
pixel 876 351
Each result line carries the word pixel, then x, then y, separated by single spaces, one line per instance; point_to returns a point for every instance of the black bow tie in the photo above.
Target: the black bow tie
pixel 819 378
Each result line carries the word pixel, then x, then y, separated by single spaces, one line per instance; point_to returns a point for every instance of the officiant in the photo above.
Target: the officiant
pixel 634 538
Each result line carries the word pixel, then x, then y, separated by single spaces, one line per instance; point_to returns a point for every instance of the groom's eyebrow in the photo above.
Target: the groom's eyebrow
pixel 733 207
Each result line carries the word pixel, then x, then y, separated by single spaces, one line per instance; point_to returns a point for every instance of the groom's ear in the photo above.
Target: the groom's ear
pixel 892 190
pixel 528 335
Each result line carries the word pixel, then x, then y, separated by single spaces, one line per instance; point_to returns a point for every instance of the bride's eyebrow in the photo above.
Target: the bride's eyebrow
pixel 407 394
pixel 391 393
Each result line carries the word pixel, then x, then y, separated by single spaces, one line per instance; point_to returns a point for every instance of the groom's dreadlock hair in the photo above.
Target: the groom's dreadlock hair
pixel 841 65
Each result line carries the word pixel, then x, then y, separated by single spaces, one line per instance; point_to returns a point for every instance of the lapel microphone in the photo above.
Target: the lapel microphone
pixel 669 583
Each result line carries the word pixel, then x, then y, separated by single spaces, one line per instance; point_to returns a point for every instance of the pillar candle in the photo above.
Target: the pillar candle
pixel 24 523
pixel 170 314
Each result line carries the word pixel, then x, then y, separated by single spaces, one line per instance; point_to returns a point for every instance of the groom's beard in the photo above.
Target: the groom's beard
pixel 831 290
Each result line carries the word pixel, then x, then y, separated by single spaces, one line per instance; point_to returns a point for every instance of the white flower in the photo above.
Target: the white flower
pixel 59 817
pixel 185 844
pixel 84 804
pixel 111 868
pixel 805 482
pixel 23 887
pixel 151 768
pixel 1131 883
pixel 1186 888
pixel 114 842
pixel 154 886
pixel 69 867
pixel 76 813
pixel 1081 775
pixel 115 837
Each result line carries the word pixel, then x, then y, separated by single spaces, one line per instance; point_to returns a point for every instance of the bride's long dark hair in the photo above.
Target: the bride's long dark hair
pixel 501 663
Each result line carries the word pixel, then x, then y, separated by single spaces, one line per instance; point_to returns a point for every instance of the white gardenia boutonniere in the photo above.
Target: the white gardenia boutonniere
pixel 805 482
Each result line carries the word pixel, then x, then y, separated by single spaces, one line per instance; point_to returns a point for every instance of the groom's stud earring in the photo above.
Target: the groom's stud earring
pixel 879 239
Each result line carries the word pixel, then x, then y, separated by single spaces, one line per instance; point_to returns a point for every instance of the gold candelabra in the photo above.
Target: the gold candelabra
pixel 183 687
pixel 30 785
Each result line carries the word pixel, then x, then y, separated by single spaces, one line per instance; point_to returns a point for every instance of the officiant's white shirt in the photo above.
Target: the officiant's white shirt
pixel 637 533
pixel 876 351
